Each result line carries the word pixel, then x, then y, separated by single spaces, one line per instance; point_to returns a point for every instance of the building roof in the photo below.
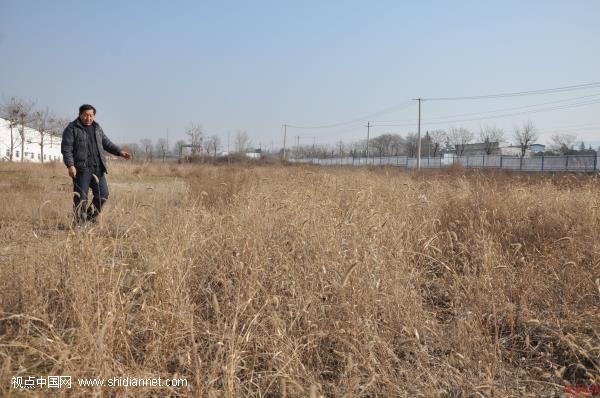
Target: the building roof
pixel 480 146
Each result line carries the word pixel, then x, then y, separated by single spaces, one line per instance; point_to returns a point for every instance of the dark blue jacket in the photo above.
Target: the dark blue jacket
pixel 75 142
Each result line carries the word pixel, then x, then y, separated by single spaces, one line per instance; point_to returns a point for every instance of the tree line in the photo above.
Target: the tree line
pixel 22 114
pixel 25 114
pixel 198 144
pixel 436 142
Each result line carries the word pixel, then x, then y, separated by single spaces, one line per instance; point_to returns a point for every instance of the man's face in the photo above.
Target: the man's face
pixel 87 117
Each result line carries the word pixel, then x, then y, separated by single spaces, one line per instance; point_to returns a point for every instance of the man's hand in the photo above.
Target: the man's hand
pixel 125 155
pixel 72 171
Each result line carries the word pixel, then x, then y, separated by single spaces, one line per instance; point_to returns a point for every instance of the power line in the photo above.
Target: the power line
pixel 520 93
pixel 548 130
pixel 494 111
pixel 350 130
pixel 488 96
pixel 401 106
pixel 572 126
pixel 448 118
pixel 562 107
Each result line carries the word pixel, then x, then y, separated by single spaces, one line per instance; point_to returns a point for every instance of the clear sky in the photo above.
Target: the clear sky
pixel 255 65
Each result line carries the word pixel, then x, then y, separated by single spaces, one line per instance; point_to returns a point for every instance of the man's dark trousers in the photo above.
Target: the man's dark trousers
pixel 83 181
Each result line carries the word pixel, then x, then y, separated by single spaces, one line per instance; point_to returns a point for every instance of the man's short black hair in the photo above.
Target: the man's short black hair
pixel 86 107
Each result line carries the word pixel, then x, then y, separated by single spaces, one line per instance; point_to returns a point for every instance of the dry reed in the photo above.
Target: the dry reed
pixel 300 281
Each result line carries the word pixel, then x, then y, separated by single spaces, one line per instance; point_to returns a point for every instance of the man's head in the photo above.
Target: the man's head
pixel 87 113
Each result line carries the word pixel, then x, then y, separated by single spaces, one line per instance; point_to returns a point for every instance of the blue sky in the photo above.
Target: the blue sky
pixel 153 66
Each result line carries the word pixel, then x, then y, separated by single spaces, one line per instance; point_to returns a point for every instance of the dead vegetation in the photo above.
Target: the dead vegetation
pixel 301 281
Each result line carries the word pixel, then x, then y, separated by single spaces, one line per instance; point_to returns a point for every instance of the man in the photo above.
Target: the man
pixel 83 146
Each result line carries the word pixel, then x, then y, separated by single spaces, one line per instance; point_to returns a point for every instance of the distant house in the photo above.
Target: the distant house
pixel 494 148
pixel 481 148
pixel 513 150
pixel 32 150
pixel 448 159
pixel 255 154
pixel 535 148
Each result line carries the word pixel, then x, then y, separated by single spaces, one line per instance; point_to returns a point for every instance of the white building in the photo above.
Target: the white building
pixel 514 150
pixel 32 152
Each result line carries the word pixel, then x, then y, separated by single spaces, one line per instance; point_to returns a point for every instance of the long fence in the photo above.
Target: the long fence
pixel 574 163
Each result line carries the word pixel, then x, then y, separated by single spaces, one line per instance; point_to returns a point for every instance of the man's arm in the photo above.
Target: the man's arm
pixel 66 146
pixel 110 147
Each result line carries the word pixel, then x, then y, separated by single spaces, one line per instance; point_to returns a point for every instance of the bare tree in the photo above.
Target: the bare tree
pixel 398 142
pixel 57 127
pixel 411 144
pixel 379 144
pixel 491 136
pixel 18 113
pixel 431 143
pixel 134 149
pixel 207 145
pixel 426 145
pixel 195 135
pixel 215 142
pixel 386 144
pixel 563 143
pixel 359 148
pixel 353 151
pixel 438 137
pixel 161 148
pixel 211 145
pixel 525 136
pixel 146 144
pixel 362 147
pixel 242 141
pixel 178 147
pixel 321 151
pixel 459 137
pixel 24 120
pixel 42 122
pixel 341 148
pixel 10 111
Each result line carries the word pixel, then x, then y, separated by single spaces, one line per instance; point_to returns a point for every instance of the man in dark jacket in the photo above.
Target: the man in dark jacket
pixel 83 146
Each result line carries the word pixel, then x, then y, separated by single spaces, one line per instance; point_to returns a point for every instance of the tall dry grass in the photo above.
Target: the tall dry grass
pixel 301 281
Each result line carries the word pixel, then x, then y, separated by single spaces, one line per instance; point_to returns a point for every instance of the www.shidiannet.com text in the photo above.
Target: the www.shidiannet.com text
pixel 53 382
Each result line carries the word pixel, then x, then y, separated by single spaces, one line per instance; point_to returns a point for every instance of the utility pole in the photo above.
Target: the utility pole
pixel 419 135
pixel 368 133
pixel 284 137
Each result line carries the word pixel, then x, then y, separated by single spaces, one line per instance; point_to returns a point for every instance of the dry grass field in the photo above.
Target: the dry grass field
pixel 290 281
